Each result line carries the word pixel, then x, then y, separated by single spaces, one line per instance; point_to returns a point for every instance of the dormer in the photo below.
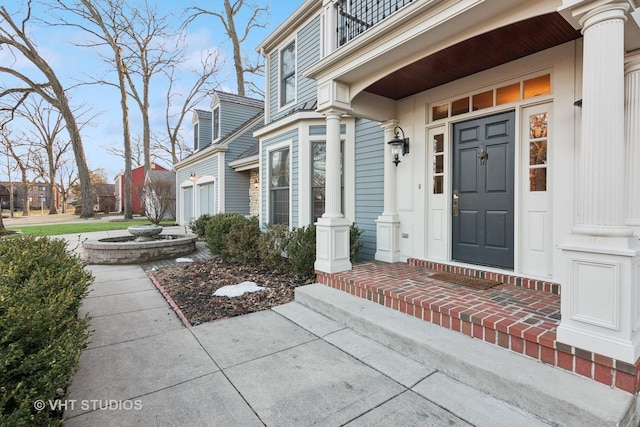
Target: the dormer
pixel 202 131
pixel 229 111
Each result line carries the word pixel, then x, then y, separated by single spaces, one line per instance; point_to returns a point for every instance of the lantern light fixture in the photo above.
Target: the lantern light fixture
pixel 398 145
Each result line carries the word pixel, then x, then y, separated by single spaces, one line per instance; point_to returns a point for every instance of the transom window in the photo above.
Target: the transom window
pixel 501 95
pixel 279 186
pixel 288 74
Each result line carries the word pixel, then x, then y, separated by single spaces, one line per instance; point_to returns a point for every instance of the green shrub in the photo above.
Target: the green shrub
pixel 199 225
pixel 216 230
pixel 355 245
pixel 242 241
pixel 41 336
pixel 272 246
pixel 301 250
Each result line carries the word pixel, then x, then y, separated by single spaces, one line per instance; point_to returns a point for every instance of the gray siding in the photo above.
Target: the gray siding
pixel 205 137
pixel 237 184
pixel 264 173
pixel 233 115
pixel 307 54
pixel 322 130
pixel 369 176
pixel 308 51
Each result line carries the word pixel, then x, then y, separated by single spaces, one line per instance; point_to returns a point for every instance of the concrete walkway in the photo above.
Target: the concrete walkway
pixel 289 366
pixel 144 368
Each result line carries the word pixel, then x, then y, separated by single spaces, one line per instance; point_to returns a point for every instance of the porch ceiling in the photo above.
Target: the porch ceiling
pixel 479 53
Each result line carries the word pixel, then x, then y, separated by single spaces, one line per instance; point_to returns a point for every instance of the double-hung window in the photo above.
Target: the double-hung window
pixel 288 74
pixel 318 178
pixel 196 136
pixel 279 186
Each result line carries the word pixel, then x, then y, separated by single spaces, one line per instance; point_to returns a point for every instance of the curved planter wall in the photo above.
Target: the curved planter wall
pixel 124 250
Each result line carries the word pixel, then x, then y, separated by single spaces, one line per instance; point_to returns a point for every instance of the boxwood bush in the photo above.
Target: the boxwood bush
pixel 217 228
pixel 41 337
pixel 199 225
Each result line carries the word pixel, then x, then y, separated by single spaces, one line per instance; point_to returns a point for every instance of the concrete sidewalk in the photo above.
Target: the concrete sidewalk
pixel 287 366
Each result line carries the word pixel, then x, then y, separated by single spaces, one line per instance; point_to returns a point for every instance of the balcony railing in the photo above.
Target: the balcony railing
pixel 357 16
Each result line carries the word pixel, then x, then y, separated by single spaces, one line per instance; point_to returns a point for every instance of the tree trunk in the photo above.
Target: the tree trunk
pixel 3 230
pixel 128 209
pixel 237 54
pixel 53 210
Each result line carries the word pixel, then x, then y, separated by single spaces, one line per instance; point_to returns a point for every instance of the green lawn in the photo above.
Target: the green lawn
pixel 80 227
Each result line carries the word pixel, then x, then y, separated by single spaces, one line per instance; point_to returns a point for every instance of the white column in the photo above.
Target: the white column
pixel 600 268
pixel 332 229
pixel 632 138
pixel 333 199
pixel 601 175
pixel 388 223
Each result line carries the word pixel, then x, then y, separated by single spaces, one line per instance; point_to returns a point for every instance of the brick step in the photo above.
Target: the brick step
pixel 519 318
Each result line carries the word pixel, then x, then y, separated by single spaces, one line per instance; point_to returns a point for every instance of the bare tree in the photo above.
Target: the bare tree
pixel 22 155
pixel 151 48
pixel 242 64
pixel 46 126
pixel 14 38
pixel 67 178
pixel 159 152
pixel 103 21
pixel 203 87
pixel 159 198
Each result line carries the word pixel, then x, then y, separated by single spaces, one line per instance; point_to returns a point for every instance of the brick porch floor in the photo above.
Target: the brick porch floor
pixel 521 315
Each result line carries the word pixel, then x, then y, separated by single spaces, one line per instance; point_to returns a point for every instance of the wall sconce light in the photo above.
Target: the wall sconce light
pixel 256 183
pixel 578 103
pixel 193 177
pixel 398 145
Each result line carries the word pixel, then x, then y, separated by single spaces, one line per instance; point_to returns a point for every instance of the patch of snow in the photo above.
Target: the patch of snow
pixel 184 259
pixel 238 290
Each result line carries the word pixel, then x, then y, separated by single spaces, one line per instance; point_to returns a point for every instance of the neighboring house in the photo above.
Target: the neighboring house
pixel 518 136
pixel 104 199
pixel 137 184
pixel 221 174
pixel 7 189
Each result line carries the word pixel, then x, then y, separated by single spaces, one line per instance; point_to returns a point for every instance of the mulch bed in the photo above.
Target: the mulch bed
pixel 191 286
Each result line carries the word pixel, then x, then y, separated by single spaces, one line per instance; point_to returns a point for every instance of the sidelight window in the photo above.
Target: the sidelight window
pixel 538 131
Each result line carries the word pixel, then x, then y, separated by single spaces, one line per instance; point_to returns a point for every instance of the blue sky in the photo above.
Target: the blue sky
pixel 73 64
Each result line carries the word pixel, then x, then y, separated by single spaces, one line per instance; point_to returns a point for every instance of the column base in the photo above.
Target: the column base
pixel 332 245
pixel 600 304
pixel 388 238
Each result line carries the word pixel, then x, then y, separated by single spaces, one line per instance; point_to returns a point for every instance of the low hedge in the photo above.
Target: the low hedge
pixel 41 337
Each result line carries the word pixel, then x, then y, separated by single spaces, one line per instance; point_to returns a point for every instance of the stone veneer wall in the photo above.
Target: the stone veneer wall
pixel 254 192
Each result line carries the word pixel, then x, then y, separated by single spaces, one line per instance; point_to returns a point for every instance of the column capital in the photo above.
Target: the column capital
pixel 333 95
pixel 632 62
pixel 585 13
pixel 390 124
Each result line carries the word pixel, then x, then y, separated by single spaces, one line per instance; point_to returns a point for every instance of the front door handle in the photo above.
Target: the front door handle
pixel 455 203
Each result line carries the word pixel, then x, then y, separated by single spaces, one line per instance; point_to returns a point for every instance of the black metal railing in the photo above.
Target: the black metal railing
pixel 357 16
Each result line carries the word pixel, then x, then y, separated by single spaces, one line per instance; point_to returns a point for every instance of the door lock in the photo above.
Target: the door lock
pixel 455 203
